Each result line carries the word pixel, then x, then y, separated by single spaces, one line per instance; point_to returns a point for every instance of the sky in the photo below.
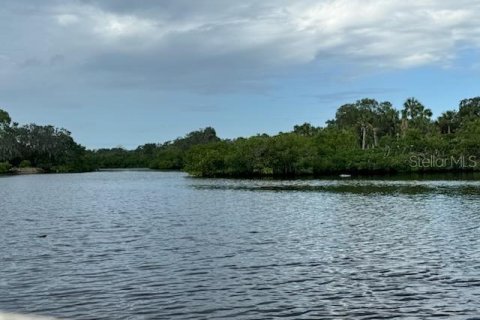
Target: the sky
pixel 125 73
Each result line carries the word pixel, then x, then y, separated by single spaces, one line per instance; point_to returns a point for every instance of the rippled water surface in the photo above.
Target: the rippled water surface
pixel 151 245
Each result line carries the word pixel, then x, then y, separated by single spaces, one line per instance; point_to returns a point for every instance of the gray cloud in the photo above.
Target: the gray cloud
pixel 217 46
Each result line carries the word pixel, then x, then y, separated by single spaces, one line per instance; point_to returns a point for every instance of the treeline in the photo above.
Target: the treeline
pixel 170 155
pixel 54 150
pixel 366 136
pixel 45 147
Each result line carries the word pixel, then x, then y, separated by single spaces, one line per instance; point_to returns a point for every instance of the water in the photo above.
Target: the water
pixel 151 245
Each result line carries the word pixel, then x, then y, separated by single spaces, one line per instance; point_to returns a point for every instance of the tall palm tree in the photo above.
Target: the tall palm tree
pixel 448 122
pixel 414 113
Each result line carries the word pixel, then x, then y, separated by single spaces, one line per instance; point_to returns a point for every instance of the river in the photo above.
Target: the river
pixel 156 245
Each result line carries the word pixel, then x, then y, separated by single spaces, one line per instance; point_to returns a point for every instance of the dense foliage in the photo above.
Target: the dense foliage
pixel 364 137
pixel 45 147
pixel 167 156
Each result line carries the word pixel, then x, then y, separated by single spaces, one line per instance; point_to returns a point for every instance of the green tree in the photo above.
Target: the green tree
pixel 415 115
pixel 306 129
pixel 469 110
pixel 448 122
pixel 5 119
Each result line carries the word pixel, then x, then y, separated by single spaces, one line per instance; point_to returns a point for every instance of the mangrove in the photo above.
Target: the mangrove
pixel 364 137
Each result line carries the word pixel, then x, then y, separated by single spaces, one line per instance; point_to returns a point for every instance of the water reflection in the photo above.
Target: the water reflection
pixel 366 187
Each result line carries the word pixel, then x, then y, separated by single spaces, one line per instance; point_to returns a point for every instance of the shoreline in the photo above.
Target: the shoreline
pixel 341 175
pixel 26 171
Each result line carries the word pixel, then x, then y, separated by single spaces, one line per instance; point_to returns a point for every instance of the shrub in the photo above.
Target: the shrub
pixel 25 164
pixel 4 167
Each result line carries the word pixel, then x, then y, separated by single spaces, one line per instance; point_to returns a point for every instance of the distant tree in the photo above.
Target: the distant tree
pixel 448 122
pixel 370 118
pixel 346 117
pixel 469 110
pixel 355 116
pixel 415 115
pixel 5 119
pixel 306 129
pixel 387 119
pixel 8 143
pixel 367 119
pixel 147 149
pixel 197 137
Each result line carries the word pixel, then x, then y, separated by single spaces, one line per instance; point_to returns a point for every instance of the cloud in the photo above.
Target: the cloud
pixel 218 46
